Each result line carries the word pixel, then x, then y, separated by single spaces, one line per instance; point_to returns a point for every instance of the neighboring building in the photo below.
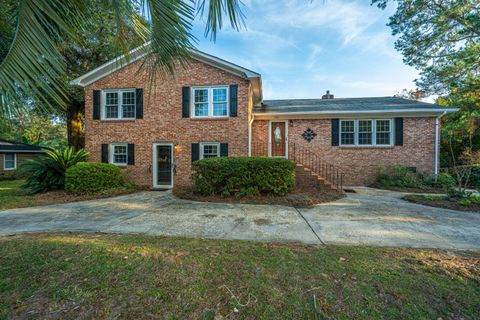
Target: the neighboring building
pixel 13 154
pixel 215 108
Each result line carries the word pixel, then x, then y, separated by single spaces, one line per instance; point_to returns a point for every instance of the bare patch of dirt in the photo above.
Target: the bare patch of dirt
pixel 61 196
pixel 297 198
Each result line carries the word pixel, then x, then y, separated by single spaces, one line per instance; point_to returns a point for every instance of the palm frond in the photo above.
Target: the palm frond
pixel 33 64
pixel 216 10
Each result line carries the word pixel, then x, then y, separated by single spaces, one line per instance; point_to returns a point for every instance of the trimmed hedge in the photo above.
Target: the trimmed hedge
pixel 243 176
pixel 93 177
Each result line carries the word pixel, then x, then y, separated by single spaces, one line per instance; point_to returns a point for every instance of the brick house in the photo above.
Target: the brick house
pixel 215 108
pixel 13 154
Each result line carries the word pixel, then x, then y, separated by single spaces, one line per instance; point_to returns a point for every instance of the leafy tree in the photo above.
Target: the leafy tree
pixel 44 43
pixel 441 38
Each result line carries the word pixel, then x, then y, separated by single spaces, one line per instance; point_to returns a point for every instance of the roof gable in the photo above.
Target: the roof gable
pixel 6 145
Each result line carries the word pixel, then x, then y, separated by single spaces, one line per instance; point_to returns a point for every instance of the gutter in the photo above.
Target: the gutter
pixel 437 140
pixel 250 135
pixel 267 114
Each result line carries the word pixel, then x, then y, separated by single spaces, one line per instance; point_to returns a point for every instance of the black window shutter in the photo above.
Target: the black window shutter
pixel 223 149
pixel 195 151
pixel 399 131
pixel 139 103
pixel 105 153
pixel 96 104
pixel 335 132
pixel 233 100
pixel 131 153
pixel 186 102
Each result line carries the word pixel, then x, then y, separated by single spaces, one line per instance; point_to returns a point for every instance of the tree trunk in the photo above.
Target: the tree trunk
pixel 75 124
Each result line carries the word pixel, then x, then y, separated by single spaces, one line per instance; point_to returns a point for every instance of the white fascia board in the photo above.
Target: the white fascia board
pixel 345 114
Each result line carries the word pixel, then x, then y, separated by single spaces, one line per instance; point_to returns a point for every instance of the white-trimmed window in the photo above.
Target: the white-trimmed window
pixel 119 154
pixel 209 150
pixel 9 161
pixel 118 104
pixel 210 102
pixel 366 132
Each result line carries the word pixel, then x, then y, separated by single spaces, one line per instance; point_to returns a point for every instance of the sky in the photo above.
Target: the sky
pixel 303 48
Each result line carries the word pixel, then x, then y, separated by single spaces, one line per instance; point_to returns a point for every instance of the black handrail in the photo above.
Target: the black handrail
pixel 308 159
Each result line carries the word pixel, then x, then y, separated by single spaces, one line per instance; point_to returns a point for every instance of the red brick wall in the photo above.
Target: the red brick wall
pixel 360 164
pixel 162 119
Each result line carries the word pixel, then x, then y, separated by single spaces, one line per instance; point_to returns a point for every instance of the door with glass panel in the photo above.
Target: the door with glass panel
pixel 163 167
pixel 278 138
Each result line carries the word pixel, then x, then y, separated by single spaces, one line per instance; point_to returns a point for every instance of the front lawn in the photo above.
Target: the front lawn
pixel 12 196
pixel 138 277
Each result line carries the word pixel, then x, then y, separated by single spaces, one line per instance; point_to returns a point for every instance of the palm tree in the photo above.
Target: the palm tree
pixel 33 69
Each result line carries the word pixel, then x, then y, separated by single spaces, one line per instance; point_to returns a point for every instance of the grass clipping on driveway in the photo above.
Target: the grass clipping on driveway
pixel 137 277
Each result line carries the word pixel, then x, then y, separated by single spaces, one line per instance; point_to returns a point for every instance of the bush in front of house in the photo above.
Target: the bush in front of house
pixel 48 172
pixel 243 176
pixel 404 177
pixel 93 178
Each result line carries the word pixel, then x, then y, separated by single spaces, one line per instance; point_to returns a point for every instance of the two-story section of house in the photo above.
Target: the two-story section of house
pixel 211 108
pixel 156 129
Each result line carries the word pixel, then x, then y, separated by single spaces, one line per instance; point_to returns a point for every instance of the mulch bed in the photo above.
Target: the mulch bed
pixel 409 190
pixel 442 203
pixel 297 198
pixel 61 196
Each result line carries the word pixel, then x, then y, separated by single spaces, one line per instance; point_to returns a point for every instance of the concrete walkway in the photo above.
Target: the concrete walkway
pixel 368 217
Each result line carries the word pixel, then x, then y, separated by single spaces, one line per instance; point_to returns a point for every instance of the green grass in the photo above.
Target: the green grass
pixel 138 277
pixel 12 197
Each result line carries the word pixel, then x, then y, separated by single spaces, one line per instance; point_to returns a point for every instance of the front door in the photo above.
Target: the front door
pixel 163 165
pixel 278 137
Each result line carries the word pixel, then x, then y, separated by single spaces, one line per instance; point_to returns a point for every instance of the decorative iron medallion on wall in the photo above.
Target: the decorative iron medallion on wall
pixel 309 134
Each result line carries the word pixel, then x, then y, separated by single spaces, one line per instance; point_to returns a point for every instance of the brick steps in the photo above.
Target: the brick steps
pixel 307 178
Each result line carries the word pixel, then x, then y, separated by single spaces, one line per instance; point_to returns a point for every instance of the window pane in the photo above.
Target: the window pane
pixel 210 150
pixel 201 95
pixel 128 104
pixel 383 132
pixel 220 109
pixel 112 98
pixel 9 161
pixel 111 105
pixel 128 111
pixel 201 109
pixel 220 95
pixel 120 154
pixel 128 97
pixel 111 112
pixel 347 129
pixel 364 132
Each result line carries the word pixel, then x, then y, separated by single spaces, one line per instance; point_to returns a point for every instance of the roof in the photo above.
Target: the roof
pixel 142 51
pixel 13 146
pixel 368 105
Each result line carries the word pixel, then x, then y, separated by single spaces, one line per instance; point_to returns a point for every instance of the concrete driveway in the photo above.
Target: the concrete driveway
pixel 368 217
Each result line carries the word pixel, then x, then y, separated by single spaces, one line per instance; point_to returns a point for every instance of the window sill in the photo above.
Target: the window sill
pixel 116 120
pixel 9 169
pixel 366 147
pixel 209 118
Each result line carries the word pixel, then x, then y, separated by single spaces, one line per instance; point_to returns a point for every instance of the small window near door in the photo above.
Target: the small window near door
pixel 119 154
pixel 9 161
pixel 209 150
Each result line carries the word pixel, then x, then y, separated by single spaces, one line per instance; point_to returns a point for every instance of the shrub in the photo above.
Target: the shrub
pixel 48 172
pixel 400 176
pixel 243 176
pixel 93 177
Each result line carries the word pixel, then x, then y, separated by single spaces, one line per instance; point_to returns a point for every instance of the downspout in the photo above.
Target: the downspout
pixel 437 140
pixel 250 135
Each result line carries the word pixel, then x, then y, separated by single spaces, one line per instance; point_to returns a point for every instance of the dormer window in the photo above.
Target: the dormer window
pixel 210 102
pixel 118 104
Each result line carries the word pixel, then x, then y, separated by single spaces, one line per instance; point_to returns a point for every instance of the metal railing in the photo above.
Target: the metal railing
pixel 300 155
